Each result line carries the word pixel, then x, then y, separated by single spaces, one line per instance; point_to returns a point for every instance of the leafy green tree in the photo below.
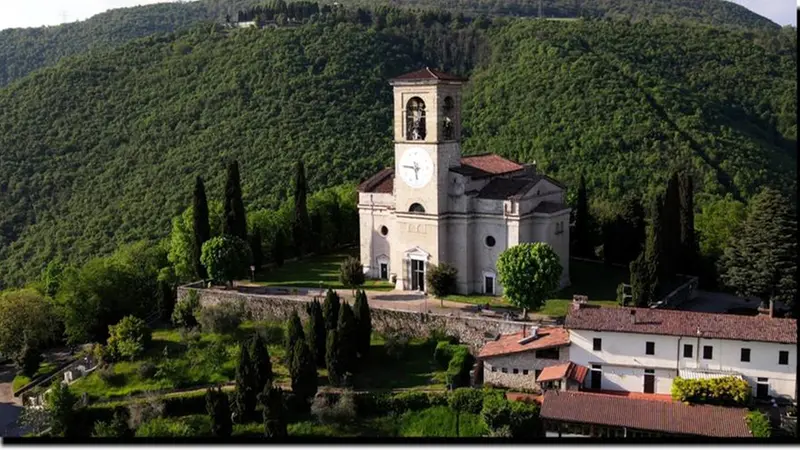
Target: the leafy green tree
pixel 219 410
pixel 116 428
pixel 363 319
pixel 525 422
pixel 274 412
pixel 330 309
pixel 315 332
pixel 294 334
pixel 336 370
pixel 129 338
pixel 347 331
pixel 61 406
pixel 303 372
pixel 200 226
pixel 351 273
pixel 762 260
pixel 255 249
pixel 51 277
pixel 529 273
pixel 226 258
pixel 186 310
pixel 583 242
pixel 28 360
pixel 441 280
pixel 262 364
pixel 246 386
pixel 717 223
pixel 496 412
pixel 301 226
pixel 28 323
pixel 464 400
pixel 181 246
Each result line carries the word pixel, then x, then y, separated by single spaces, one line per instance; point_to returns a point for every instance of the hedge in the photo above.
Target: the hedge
pixel 725 391
pixel 458 370
pixel 759 424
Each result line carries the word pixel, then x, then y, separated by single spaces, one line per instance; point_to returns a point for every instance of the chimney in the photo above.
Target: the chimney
pixel 633 316
pixel 524 331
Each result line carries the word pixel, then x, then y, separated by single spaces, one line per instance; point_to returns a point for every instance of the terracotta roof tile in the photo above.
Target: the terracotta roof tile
pixel 491 163
pixel 380 183
pixel 683 323
pixel 428 74
pixel 569 370
pixel 649 415
pixel 509 343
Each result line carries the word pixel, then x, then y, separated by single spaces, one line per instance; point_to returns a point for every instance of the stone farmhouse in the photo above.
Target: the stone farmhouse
pixel 434 205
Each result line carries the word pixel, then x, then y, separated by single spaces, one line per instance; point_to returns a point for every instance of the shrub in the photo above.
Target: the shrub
pixel 460 366
pixel 219 410
pixel 759 424
pixel 184 313
pixel 147 370
pixel 466 400
pixel 116 428
pixel 351 273
pixel 29 360
pixel 145 410
pixel 725 391
pixel 172 427
pixel 496 411
pixel 272 334
pixel 441 279
pixel 396 343
pixel 443 353
pixel 221 318
pixel 129 338
pixel 341 411
pixel 524 418
pixel 621 294
pixel 108 376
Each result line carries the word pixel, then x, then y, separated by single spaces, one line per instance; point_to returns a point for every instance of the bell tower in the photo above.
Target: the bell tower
pixel 427 138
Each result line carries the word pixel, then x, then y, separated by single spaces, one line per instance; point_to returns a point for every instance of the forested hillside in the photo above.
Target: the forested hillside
pixel 25 50
pixel 103 149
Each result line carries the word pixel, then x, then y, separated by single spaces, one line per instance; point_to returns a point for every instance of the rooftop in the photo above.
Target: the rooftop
pixel 569 370
pixel 380 183
pixel 491 163
pixel 428 74
pixel 648 415
pixel 683 323
pixel 509 343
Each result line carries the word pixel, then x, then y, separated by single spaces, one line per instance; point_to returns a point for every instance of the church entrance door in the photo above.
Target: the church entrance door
pixel 417 275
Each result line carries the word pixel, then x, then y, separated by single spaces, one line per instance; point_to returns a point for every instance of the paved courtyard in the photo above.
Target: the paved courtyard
pixel 9 406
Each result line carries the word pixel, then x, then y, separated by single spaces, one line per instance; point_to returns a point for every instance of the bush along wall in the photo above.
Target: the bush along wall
pixel 725 391
pixel 759 424
pixel 457 360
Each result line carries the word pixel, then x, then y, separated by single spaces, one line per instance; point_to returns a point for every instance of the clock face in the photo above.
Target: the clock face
pixel 416 167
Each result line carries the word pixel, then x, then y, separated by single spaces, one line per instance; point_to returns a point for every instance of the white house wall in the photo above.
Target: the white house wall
pixel 623 360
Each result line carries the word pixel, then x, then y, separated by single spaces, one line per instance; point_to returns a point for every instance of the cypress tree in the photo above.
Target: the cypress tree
pixel 348 338
pixel 304 372
pixel 315 332
pixel 202 230
pixel 363 323
pixel 643 281
pixel 330 309
pixel 246 391
pixel 235 223
pixel 255 249
pixel 583 242
pixel 262 364
pixel 218 408
pixel 655 252
pixel 294 334
pixel 689 250
pixel 166 300
pixel 671 225
pixel 332 362
pixel 274 412
pixel 301 226
pixel 761 262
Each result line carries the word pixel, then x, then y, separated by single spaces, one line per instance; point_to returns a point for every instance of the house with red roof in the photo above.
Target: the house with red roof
pixel 644 350
pixel 432 204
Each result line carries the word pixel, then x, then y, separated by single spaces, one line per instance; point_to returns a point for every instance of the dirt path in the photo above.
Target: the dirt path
pixel 9 406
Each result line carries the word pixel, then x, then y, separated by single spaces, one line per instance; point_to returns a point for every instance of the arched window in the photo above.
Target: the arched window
pixel 416 208
pixel 449 121
pixel 415 119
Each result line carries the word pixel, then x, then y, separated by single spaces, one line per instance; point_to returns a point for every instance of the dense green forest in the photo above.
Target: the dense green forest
pixel 23 50
pixel 102 149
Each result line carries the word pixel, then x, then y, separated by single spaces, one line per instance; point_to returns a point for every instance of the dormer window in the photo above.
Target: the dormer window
pixel 415 119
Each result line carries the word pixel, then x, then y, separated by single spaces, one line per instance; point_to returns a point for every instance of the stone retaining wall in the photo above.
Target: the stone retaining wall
pixel 472 331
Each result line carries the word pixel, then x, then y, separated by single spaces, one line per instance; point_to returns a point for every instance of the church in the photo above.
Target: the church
pixel 435 205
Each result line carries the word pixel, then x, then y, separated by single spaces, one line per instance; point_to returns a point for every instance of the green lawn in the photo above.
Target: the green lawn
pixel 312 271
pixel 415 368
pixel 596 280
pixel 46 368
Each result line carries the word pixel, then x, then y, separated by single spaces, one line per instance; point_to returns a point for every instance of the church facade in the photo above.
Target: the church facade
pixel 433 205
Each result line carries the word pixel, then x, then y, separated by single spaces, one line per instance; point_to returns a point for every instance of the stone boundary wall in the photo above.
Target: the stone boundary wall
pixel 472 331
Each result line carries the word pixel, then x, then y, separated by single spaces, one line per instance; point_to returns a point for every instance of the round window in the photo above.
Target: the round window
pixel 384 231
pixel 490 241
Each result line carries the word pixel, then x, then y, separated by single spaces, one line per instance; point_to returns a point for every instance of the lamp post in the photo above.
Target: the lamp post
pixel 252 273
